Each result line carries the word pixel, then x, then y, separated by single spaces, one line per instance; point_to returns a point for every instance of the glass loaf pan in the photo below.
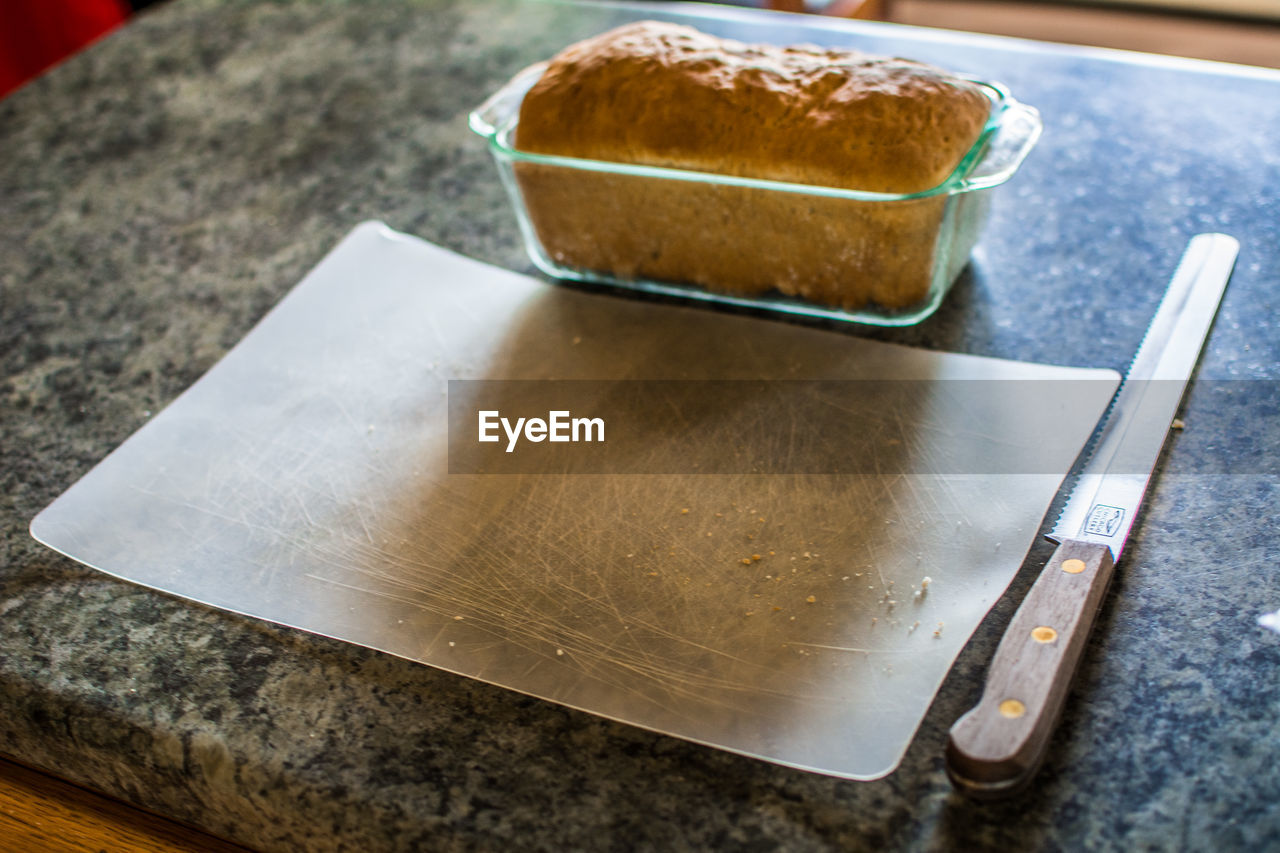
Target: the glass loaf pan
pixel 726 239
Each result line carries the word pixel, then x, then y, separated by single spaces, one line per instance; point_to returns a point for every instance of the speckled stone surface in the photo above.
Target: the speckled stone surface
pixel 161 191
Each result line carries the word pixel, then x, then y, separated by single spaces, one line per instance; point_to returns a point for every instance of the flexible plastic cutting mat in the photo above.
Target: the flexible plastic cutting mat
pixel 779 547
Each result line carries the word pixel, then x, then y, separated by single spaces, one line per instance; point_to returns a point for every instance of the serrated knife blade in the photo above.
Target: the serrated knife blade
pixel 995 749
pixel 1105 500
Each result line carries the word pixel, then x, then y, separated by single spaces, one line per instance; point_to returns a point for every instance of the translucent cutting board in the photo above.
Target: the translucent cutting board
pixel 778 613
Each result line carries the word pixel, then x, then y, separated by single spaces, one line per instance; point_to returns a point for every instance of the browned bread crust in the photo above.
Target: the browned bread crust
pixel 669 95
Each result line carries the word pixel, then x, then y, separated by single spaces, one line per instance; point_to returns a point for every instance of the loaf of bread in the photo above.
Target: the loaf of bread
pixel 667 95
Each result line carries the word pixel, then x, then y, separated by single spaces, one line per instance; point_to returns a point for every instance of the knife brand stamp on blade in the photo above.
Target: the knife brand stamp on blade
pixel 1104 520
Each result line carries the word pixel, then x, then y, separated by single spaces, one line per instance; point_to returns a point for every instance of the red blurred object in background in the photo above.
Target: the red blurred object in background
pixel 35 34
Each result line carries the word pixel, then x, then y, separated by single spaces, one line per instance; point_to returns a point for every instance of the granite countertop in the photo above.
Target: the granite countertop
pixel 161 191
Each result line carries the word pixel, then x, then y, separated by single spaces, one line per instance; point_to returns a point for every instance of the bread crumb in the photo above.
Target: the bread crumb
pixel 811 599
pixel 746 561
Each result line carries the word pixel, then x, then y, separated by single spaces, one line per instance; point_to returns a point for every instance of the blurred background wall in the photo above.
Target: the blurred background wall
pixel 1242 31
pixel 36 34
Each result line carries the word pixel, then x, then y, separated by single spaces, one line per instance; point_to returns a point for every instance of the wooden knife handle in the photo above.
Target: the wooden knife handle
pixel 995 749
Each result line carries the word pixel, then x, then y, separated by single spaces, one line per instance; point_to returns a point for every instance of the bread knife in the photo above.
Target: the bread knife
pixel 996 748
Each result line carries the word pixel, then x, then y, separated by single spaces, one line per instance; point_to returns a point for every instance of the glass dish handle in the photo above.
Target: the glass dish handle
pixel 504 103
pixel 1020 127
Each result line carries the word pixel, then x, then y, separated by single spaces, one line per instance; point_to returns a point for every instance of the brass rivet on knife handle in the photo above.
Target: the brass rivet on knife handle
pixel 1012 709
pixel 1043 634
pixel 992 753
pixel 1073 567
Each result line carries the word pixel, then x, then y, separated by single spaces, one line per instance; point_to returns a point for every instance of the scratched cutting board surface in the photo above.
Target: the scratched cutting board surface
pixel 778 613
